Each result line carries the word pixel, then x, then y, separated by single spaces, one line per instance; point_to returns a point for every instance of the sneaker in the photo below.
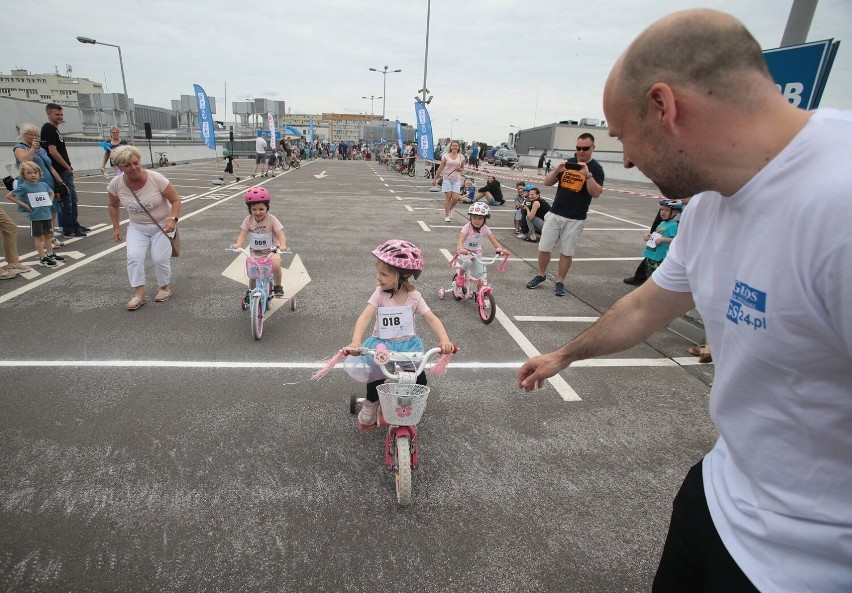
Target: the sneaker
pixel 367 415
pixel 79 234
pixel 85 229
pixel 520 236
pixel 446 219
pixel 58 242
pixel 633 280
pixel 53 255
pixel 46 261
pixel 238 180
pixel 559 289
pixel 536 281
pixel 278 291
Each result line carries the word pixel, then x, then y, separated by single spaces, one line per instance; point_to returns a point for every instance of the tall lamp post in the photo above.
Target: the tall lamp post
pixel 371 97
pixel 384 74
pixel 454 120
pixel 130 122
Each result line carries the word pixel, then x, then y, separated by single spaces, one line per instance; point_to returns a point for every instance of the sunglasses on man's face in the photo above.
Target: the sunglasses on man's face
pixel 583 148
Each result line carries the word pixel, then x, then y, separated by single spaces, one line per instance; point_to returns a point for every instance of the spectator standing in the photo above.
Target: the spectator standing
pixel 29 149
pixel 139 190
pixel 580 180
pixel 452 164
pixel 115 141
pixel 541 162
pixel 35 198
pixel 55 143
pixel 764 254
pixel 260 148
pixel 474 156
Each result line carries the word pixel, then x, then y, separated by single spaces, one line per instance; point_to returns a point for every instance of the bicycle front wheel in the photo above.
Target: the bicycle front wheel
pixel 257 311
pixel 402 454
pixel 487 308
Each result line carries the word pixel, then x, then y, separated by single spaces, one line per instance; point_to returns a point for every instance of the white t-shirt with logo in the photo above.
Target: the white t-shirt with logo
pixel 260 145
pixel 770 270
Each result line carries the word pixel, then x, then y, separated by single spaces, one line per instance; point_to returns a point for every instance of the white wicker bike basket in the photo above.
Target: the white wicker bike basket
pixel 403 405
pixel 259 268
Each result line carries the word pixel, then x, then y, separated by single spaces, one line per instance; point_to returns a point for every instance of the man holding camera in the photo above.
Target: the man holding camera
pixel 53 141
pixel 580 179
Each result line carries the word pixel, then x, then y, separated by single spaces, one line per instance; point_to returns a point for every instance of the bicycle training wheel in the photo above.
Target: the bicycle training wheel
pixel 411 172
pixel 257 310
pixel 402 459
pixel 441 293
pixel 487 308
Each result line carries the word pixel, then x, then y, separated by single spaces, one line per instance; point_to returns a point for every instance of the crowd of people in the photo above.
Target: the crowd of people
pixel 768 507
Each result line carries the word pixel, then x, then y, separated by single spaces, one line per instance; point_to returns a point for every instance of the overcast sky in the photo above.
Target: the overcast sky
pixel 492 64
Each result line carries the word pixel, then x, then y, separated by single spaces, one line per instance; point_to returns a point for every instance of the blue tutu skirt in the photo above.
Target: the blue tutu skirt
pixel 365 369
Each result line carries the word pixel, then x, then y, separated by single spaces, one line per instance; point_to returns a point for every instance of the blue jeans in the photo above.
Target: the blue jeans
pixel 69 205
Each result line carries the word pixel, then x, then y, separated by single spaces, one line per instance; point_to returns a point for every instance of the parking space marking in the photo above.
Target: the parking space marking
pixel 424 226
pixel 565 391
pixel 546 318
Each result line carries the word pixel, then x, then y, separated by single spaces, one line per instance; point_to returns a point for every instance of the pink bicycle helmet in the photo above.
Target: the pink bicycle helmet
pixel 403 255
pixel 257 194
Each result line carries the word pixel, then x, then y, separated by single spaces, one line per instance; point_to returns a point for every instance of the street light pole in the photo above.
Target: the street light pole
pixel 384 74
pixel 130 123
pixel 371 97
pixel 451 127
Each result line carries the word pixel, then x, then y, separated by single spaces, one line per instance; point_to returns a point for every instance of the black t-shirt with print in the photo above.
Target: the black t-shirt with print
pixel 572 196
pixel 50 136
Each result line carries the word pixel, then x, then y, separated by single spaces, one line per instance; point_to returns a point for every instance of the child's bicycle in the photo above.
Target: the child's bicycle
pixel 164 160
pixel 463 283
pixel 402 402
pixel 258 299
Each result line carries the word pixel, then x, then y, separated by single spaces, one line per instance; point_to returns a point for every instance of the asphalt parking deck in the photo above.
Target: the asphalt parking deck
pixel 167 450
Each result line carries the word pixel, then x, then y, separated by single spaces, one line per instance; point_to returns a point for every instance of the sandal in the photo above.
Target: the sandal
pixel 135 303
pixel 695 350
pixel 19 267
pixel 705 357
pixel 528 240
pixel 163 295
pixel 7 274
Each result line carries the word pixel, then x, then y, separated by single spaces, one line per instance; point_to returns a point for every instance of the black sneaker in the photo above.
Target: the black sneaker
pixel 536 281
pixel 46 261
pixel 56 257
pixel 633 281
pixel 79 234
pixel 559 289
pixel 85 229
pixel 278 291
pixel 238 180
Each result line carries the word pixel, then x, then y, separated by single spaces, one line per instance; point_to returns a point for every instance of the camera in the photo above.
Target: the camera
pixel 573 167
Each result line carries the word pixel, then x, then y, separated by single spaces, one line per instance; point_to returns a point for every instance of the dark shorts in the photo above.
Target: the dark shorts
pixel 258 157
pixel 229 168
pixel 694 557
pixel 40 228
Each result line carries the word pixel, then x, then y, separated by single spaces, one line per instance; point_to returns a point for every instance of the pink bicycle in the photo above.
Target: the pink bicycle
pixel 402 402
pixel 483 292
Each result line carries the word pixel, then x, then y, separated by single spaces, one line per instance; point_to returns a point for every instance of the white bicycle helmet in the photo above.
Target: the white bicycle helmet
pixel 479 209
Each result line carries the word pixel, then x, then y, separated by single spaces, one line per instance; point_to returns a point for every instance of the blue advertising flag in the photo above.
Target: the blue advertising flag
pixel 425 144
pixel 205 118
pixel 311 132
pixel 399 134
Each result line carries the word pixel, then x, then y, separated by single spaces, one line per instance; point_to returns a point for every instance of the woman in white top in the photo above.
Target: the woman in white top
pixel 159 197
pixel 452 165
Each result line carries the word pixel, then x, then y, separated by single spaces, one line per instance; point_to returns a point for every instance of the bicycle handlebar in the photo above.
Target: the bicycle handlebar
pixel 245 251
pixel 382 357
pixel 486 261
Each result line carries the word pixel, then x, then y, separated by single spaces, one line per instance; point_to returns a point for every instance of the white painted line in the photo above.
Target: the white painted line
pixel 409 208
pixel 644 226
pixel 382 179
pixel 424 226
pixel 565 391
pixel 391 191
pixel 398 198
pixel 551 319
pixel 220 364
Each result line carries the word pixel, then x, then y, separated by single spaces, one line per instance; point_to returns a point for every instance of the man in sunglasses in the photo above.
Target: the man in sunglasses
pixel 580 179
